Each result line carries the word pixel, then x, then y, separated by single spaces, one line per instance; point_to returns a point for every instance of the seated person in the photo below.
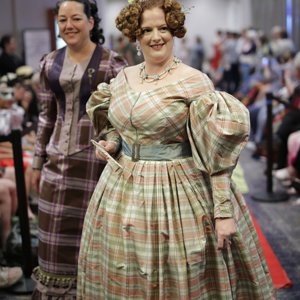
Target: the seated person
pixel 25 96
pixel 7 164
pixel 292 170
pixel 11 117
pixel 291 120
pixel 8 206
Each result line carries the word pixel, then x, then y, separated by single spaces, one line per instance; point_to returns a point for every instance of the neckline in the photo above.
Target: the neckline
pixel 82 62
pixel 158 76
pixel 153 89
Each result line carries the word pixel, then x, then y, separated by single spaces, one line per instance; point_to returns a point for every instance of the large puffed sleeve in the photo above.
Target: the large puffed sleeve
pixel 47 115
pixel 97 109
pixel 218 129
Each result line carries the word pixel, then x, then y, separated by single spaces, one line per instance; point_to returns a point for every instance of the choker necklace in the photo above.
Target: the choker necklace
pixel 155 77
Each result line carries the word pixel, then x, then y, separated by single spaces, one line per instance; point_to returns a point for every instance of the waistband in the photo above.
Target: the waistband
pixel 157 152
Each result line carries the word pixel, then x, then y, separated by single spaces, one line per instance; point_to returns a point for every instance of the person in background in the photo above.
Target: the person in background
pixel 197 54
pixel 65 167
pixel 9 60
pixel 122 47
pixel 230 64
pixel 290 176
pixel 247 50
pixel 291 120
pixel 285 46
pixel 8 195
pixel 217 55
pixel 12 118
pixel 7 165
pixel 8 206
pixel 29 100
pixel 166 221
pixel 275 36
pixel 183 51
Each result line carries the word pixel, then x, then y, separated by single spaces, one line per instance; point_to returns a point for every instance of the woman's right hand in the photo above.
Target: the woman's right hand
pixel 109 146
pixel 35 181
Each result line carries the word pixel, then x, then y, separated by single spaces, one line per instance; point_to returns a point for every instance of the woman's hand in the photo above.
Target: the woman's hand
pixel 109 146
pixel 35 180
pixel 225 228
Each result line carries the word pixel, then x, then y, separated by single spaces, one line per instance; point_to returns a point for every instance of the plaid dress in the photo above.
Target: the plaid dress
pixel 149 228
pixel 70 170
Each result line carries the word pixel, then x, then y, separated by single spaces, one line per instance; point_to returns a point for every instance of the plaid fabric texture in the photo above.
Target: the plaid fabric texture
pixel 149 229
pixel 50 122
pixel 68 179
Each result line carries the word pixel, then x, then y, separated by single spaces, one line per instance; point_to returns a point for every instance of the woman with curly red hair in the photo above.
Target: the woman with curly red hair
pixel 165 220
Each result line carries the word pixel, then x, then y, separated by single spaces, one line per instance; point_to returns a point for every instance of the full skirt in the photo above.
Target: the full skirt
pixel 149 234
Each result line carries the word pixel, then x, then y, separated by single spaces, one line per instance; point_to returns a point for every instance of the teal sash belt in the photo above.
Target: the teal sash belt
pixel 157 152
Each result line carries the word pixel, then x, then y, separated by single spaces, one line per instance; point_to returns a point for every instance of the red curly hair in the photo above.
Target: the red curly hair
pixel 129 19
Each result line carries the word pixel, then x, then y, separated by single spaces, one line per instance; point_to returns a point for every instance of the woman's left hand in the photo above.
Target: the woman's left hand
pixel 225 228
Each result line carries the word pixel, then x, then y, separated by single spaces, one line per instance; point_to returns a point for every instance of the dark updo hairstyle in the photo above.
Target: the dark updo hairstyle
pixel 91 10
pixel 129 19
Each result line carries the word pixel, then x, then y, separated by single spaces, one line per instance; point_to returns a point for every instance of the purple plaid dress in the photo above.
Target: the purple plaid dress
pixel 70 169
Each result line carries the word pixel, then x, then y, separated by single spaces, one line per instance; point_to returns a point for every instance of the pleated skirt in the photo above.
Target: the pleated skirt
pixel 149 234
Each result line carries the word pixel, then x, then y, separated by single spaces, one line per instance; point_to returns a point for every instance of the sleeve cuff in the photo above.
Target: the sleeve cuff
pixel 38 162
pixel 223 210
pixel 113 136
pixel 221 189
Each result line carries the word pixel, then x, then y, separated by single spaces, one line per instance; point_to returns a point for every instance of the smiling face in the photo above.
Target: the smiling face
pixel 74 25
pixel 156 41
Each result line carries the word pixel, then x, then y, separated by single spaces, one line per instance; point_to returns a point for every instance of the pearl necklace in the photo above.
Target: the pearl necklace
pixel 155 77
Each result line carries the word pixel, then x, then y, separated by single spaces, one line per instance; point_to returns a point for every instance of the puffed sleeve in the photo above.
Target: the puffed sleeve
pixel 218 129
pixel 97 109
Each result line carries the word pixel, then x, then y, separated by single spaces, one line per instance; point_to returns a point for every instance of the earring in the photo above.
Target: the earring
pixel 138 49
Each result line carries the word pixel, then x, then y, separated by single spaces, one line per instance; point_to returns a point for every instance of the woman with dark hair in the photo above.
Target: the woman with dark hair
pixel 65 167
pixel 166 220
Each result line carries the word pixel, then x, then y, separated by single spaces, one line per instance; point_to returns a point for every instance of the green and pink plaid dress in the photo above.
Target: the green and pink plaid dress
pixel 149 229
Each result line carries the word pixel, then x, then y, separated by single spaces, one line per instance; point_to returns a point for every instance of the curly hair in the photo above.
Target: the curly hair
pixel 129 19
pixel 91 10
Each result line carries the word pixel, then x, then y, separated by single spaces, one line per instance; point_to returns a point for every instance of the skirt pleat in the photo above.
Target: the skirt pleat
pixel 149 234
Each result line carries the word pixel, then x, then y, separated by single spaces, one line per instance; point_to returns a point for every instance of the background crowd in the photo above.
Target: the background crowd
pixel 19 110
